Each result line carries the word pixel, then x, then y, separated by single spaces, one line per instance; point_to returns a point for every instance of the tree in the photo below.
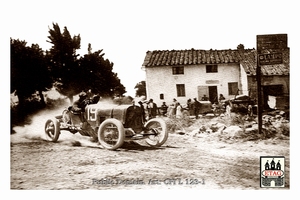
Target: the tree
pixel 63 60
pixel 73 75
pixel 29 72
pixel 41 74
pixel 118 87
pixel 140 89
pixel 240 47
pixel 97 74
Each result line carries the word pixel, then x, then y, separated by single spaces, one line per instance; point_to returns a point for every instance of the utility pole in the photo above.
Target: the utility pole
pixel 259 99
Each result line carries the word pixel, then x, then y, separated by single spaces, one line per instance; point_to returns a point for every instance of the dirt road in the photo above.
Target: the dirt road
pixel 184 161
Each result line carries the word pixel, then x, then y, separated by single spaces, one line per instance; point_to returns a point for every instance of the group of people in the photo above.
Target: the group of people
pixel 192 107
pixel 220 103
pixel 149 109
pixel 216 100
pixel 175 109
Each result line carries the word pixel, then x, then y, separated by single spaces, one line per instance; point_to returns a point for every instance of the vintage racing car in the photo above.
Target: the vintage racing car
pixel 110 124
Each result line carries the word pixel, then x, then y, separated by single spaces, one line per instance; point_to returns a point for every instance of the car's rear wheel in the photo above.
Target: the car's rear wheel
pixel 111 134
pixel 52 129
pixel 159 128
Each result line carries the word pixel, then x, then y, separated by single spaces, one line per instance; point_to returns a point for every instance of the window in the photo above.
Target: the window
pixel 178 70
pixel 232 88
pixel 211 68
pixel 180 90
pixel 161 96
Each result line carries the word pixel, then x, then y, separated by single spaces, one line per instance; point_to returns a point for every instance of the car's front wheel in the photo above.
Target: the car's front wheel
pixel 158 127
pixel 111 134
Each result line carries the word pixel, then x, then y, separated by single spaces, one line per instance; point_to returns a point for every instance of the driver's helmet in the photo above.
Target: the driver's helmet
pixel 82 95
pixel 96 98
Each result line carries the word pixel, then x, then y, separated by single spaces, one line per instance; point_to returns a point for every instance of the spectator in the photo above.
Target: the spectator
pixel 189 105
pixel 178 111
pixel 204 98
pixel 152 109
pixel 145 104
pixel 175 104
pixel 172 109
pixel 143 111
pixel 197 106
pixel 221 98
pixel 164 108
pixel 215 106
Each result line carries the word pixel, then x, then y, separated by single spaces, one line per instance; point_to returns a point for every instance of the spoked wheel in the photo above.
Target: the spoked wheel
pixel 111 134
pixel 159 128
pixel 52 129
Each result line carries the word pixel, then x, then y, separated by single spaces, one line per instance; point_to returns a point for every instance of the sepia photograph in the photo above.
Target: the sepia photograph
pixel 188 97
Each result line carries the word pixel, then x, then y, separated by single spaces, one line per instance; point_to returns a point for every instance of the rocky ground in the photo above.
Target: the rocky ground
pixel 198 155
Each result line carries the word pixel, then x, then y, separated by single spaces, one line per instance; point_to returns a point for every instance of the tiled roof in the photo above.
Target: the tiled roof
pixel 190 57
pixel 246 57
pixel 248 61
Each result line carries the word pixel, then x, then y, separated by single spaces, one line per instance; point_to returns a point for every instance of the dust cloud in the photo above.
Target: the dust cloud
pixel 35 130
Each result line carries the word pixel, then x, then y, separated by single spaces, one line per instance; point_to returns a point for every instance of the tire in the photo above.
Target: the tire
pixel 111 134
pixel 52 129
pixel 158 125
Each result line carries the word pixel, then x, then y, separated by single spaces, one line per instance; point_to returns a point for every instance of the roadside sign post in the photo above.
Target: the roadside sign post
pixel 259 100
pixel 269 52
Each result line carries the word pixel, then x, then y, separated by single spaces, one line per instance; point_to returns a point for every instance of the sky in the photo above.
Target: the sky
pixel 126 30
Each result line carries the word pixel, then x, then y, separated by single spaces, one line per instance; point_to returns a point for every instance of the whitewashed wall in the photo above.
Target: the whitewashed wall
pixel 160 80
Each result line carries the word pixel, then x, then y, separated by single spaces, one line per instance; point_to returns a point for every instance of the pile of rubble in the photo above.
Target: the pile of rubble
pixel 274 124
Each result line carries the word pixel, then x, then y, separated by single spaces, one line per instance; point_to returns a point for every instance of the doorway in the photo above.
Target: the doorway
pixel 213 93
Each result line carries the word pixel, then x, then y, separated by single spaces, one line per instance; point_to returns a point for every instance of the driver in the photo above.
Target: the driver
pixel 78 108
pixel 79 105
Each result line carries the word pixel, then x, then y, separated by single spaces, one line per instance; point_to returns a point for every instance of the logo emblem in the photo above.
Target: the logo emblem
pixel 272 171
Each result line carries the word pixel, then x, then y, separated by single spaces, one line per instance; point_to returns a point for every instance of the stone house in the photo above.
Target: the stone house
pixel 184 74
